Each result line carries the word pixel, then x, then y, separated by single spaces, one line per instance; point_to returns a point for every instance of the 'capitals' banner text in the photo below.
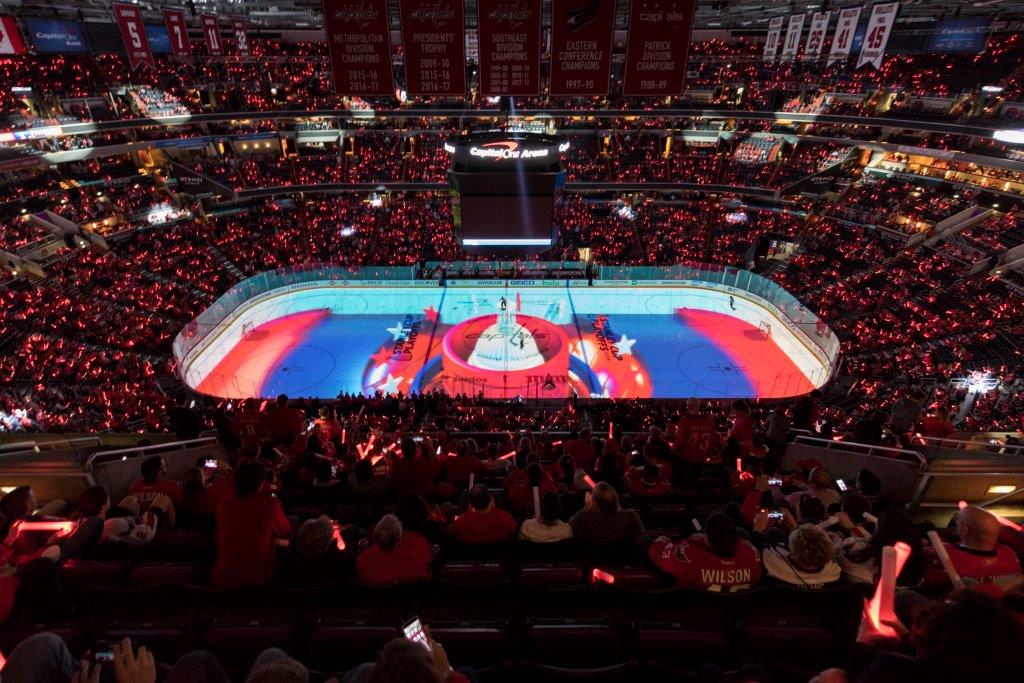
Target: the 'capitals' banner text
pixel 509 47
pixel 360 43
pixel 432 34
pixel 656 46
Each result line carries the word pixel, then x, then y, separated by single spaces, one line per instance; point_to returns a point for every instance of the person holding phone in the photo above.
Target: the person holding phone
pixel 415 658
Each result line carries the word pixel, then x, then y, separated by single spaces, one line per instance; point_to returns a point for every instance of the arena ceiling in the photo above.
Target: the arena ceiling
pixel 742 17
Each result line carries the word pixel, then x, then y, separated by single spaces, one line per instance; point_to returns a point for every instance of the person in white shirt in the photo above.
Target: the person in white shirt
pixel 809 562
pixel 547 528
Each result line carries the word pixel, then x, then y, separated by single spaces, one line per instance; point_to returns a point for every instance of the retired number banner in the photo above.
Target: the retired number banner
pixel 846 27
pixel 241 39
pixel 657 45
pixel 433 36
pixel 771 43
pixel 509 47
pixel 876 38
pixel 133 31
pixel 360 43
pixel 792 44
pixel 211 33
pixel 177 32
pixel 581 46
pixel 816 36
pixel 10 37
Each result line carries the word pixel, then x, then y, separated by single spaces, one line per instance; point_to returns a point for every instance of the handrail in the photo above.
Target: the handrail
pixel 873 451
pixel 125 453
pixel 48 445
pixel 963 445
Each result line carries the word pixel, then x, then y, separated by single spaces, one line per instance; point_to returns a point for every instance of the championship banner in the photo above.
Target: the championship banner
pixel 792 44
pixel 842 40
pixel 581 46
pixel 816 36
pixel 360 42
pixel 129 21
pixel 211 33
pixel 771 43
pixel 10 37
pixel 883 16
pixel 509 47
pixel 435 61
pixel 174 19
pixel 656 47
pixel 241 39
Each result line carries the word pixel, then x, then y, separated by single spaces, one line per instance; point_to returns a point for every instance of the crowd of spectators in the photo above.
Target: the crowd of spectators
pixel 383 498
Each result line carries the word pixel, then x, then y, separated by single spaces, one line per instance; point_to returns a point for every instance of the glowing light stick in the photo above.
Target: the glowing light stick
pixel 343 434
pixel 881 606
pixel 739 465
pixel 536 502
pixel 376 459
pixel 508 456
pixel 589 482
pixel 556 443
pixel 999 518
pixel 438 450
pixel 338 540
pixel 943 555
pixel 360 450
pixel 696 525
pixel 611 430
pixel 599 575
pixel 64 526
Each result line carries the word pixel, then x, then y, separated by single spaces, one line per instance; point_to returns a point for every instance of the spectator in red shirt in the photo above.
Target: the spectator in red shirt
pixel 412 473
pixel 483 522
pixel 937 426
pixel 154 483
pixel 458 467
pixel 717 560
pixel 696 439
pixel 648 481
pixel 247 525
pixel 742 426
pixel 283 421
pixel 519 488
pixel 328 425
pixel 396 557
pixel 979 557
pixel 581 449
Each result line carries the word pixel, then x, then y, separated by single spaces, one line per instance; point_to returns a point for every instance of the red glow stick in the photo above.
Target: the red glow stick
pixel 536 502
pixel 361 451
pixel 338 540
pixel 999 518
pixel 373 437
pixel 881 606
pixel 64 525
pixel 391 447
pixel 439 450
pixel 739 464
pixel 599 575
pixel 589 481
pixel 947 564
pixel 508 456
pixel 611 430
pixel 343 435
pixel 556 443
pixel 376 459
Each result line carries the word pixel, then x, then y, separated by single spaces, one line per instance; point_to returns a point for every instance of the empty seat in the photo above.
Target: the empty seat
pixel 237 645
pixel 341 646
pixel 475 645
pixel 551 576
pixel 476 574
pixel 631 578
pixel 572 644
pixel 155 573
pixel 687 645
pixel 81 573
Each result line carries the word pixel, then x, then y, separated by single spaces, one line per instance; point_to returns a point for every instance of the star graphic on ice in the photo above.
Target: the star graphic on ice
pixel 431 314
pixel 397 331
pixel 390 385
pixel 625 345
pixel 382 356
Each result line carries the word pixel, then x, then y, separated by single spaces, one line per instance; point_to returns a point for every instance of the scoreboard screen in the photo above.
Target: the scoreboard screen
pixel 504 189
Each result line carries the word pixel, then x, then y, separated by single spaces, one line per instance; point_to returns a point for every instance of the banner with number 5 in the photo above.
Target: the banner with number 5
pixel 883 16
pixel 177 32
pixel 129 21
pixel 211 34
pixel 846 27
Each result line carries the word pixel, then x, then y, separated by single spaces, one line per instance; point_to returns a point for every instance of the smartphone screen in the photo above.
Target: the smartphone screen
pixel 211 464
pixel 413 630
pixel 775 515
pixel 775 482
pixel 841 484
